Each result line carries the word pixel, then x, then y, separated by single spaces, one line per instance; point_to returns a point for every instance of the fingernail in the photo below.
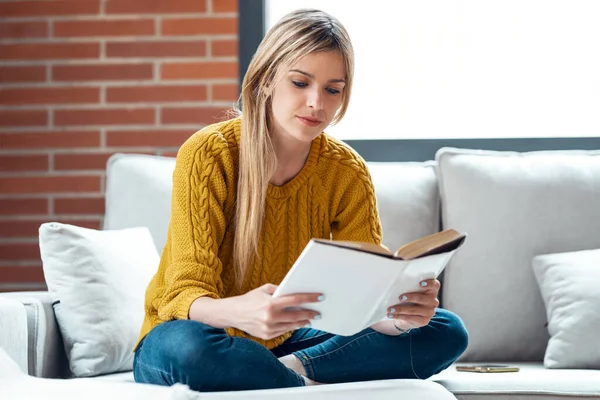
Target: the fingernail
pixel 403 298
pixel 318 316
pixel 390 316
pixel 423 284
pixel 321 297
pixel 392 310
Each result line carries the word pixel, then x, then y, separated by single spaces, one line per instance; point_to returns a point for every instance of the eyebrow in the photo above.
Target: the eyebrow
pixel 312 76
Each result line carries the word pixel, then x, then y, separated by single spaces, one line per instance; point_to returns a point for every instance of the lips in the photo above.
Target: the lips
pixel 310 121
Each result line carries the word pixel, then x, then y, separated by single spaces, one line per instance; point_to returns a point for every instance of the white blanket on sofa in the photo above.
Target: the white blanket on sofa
pixel 14 384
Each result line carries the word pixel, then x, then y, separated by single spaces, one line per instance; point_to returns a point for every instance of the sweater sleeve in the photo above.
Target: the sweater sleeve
pixel 357 218
pixel 192 268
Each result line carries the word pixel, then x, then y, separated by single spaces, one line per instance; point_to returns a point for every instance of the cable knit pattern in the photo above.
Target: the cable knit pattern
pixel 331 197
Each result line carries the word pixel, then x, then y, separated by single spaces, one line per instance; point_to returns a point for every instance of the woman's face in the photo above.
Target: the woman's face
pixel 308 96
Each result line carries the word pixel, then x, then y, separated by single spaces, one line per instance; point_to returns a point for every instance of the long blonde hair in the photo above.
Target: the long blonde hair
pixel 297 34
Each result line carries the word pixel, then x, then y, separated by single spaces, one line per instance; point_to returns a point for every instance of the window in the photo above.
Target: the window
pixel 444 69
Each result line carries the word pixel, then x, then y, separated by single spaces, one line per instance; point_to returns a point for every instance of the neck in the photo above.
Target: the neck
pixel 291 157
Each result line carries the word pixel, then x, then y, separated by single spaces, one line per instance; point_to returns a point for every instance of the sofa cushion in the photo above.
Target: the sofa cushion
pixel 97 280
pixel 533 381
pixel 569 283
pixel 14 384
pixel 138 193
pixel 514 206
pixel 408 200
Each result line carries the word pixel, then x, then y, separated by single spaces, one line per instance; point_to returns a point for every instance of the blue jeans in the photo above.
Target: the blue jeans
pixel 208 359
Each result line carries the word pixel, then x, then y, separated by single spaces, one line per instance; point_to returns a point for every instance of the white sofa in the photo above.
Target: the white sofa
pixel 515 208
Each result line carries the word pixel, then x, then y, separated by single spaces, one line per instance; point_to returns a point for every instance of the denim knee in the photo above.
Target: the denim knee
pixel 444 340
pixel 455 335
pixel 179 351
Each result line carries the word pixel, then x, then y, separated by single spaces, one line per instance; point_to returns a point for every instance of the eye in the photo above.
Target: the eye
pixel 300 84
pixel 333 91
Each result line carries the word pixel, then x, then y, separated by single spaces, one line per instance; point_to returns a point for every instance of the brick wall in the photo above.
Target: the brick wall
pixel 83 79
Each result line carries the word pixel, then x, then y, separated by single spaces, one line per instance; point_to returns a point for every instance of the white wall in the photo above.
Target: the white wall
pixel 470 68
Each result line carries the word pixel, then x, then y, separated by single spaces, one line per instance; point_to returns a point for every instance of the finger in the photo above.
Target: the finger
pixel 411 310
pixel 269 288
pixel 296 315
pixel 294 300
pixel 428 299
pixel 280 329
pixel 430 285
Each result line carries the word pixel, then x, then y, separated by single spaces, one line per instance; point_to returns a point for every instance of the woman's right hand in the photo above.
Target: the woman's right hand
pixel 265 317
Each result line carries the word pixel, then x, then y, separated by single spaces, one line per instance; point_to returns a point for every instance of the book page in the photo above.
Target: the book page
pixel 361 246
pixel 440 242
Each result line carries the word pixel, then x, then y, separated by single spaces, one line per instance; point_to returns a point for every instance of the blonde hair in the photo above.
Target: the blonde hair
pixel 295 35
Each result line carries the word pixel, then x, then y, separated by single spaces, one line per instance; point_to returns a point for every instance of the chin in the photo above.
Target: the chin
pixel 306 135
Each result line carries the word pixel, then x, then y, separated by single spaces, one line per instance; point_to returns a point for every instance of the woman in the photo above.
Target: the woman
pixel 248 195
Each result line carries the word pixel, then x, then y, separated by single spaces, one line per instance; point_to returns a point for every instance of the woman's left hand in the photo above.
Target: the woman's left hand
pixel 416 309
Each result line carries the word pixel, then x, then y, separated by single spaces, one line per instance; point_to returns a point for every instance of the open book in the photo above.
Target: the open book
pixel 361 280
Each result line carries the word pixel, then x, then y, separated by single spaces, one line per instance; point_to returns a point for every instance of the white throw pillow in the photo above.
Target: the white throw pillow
pixel 569 285
pixel 97 280
pixel 514 206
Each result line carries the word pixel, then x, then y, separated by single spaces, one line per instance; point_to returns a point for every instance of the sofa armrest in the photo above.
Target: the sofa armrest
pixel 45 348
pixel 13 335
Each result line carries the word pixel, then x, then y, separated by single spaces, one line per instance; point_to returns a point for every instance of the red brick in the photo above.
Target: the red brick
pixel 15 118
pixel 23 206
pixel 49 51
pixel 204 70
pixel 169 154
pixel 22 74
pixel 20 163
pixel 19 251
pixel 121 27
pixel 49 184
pixel 119 116
pixel 21 274
pixel 142 138
pixel 224 48
pixel 225 6
pixel 49 140
pixel 199 26
pixel 99 72
pixel 225 92
pixel 30 228
pixel 80 205
pixel 156 49
pixel 193 115
pixel 23 30
pixel 155 6
pixel 156 93
pixel 19 229
pixel 81 161
pixel 49 95
pixel 20 8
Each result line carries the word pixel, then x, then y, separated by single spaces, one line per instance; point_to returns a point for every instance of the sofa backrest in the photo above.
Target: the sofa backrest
pixel 513 206
pixel 138 193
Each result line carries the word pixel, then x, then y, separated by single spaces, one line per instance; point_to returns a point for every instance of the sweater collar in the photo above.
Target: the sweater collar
pixel 300 179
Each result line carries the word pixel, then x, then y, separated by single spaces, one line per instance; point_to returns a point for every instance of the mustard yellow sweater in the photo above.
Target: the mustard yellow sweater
pixel 331 197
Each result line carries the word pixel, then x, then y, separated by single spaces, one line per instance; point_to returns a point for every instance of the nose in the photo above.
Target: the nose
pixel 314 99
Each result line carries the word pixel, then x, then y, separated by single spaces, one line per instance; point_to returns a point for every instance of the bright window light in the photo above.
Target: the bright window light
pixel 468 69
